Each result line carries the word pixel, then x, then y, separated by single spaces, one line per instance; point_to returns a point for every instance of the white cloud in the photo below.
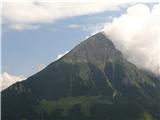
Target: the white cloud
pixel 90 28
pixel 20 27
pixel 7 79
pixel 26 13
pixel 61 55
pixel 136 34
pixel 40 67
pixel 78 1
pixel 74 26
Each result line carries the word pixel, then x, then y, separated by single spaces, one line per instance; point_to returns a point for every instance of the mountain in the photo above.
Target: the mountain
pixel 92 82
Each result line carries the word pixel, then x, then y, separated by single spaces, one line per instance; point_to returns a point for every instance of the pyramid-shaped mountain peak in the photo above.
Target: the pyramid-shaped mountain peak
pixel 96 49
pixel 99 38
pixel 91 82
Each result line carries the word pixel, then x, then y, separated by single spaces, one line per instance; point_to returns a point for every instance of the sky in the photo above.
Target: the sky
pixel 34 34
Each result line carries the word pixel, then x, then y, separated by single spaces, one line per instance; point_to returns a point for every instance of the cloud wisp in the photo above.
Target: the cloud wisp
pixel 40 67
pixel 7 79
pixel 61 55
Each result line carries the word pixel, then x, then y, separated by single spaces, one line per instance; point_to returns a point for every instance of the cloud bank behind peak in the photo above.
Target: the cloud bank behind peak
pixel 136 34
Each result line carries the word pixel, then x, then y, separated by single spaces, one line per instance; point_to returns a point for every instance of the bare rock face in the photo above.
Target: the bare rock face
pixel 97 49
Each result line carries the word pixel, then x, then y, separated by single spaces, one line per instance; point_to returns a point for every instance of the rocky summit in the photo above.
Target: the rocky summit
pixel 92 82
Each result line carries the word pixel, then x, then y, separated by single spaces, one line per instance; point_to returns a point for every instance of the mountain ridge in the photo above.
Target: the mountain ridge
pixel 94 74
